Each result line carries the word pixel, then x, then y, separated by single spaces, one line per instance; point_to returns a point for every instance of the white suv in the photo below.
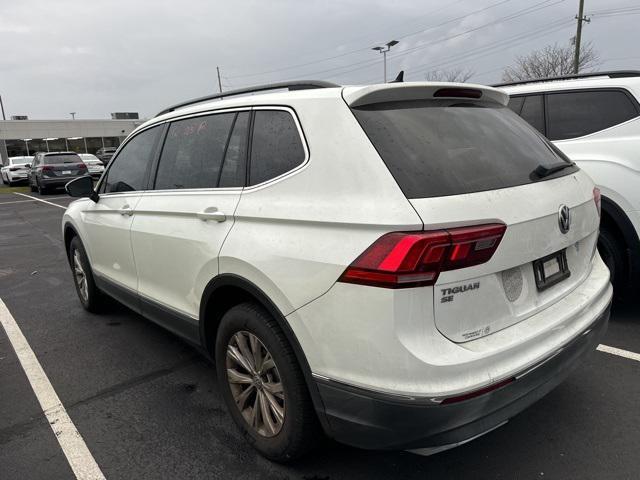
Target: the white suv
pixel 594 119
pixel 401 266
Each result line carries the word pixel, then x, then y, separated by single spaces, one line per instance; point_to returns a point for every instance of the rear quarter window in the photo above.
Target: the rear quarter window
pixel 276 146
pixel 436 148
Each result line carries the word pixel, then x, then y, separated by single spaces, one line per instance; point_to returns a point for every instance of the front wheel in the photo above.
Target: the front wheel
pixel 88 293
pixel 263 386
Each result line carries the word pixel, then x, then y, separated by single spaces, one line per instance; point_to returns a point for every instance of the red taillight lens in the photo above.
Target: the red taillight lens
pixel 477 393
pixel 597 197
pixel 413 259
pixel 47 168
pixel 82 166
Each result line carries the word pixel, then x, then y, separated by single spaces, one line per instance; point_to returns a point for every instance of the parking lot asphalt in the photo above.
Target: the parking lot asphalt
pixel 148 406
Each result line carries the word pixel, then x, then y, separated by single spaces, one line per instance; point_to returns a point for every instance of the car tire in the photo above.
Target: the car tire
pixel 31 187
pixel 613 253
pixel 41 190
pixel 91 298
pixel 297 430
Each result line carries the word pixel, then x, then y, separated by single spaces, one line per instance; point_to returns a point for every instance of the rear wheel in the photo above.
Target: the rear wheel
pixel 88 293
pixel 263 386
pixel 41 190
pixel 613 253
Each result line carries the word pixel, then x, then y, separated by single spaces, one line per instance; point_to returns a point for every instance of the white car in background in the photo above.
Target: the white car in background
pixel 94 166
pixel 16 170
pixel 594 119
pixel 404 266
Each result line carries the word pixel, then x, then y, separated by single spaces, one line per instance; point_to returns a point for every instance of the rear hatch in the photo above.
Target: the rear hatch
pixel 463 159
pixel 63 165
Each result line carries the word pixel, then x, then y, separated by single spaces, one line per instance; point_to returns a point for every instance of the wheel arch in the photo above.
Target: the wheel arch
pixel 69 231
pixel 227 290
pixel 614 215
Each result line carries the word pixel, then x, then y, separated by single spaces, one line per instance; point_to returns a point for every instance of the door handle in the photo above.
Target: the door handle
pixel 211 213
pixel 125 210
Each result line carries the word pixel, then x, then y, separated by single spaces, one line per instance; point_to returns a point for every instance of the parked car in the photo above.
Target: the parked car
pixel 16 170
pixel 402 266
pixel 594 119
pixel 94 166
pixel 51 170
pixel 104 154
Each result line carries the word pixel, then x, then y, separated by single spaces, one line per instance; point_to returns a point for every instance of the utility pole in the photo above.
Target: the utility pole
pixel 73 115
pixel 383 50
pixel 2 106
pixel 581 17
pixel 219 82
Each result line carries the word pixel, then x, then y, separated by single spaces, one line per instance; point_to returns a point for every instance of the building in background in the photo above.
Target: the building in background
pixel 25 137
pixel 125 116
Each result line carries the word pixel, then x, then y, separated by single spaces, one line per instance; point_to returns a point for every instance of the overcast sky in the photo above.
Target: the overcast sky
pixel 96 57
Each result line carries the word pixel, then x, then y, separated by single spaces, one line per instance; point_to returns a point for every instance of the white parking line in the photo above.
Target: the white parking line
pixel 619 352
pixel 16 201
pixel 40 200
pixel 80 459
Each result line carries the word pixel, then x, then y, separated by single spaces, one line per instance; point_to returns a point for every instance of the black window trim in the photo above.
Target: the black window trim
pixel 154 155
pixel 307 154
pixel 151 190
pixel 546 93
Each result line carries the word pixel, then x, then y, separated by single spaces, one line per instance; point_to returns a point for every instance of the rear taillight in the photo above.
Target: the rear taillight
pixel 82 166
pixel 413 259
pixel 597 198
pixel 47 168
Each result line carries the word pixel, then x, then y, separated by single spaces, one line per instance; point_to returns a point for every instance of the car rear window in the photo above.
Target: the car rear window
pixel 436 148
pixel 57 159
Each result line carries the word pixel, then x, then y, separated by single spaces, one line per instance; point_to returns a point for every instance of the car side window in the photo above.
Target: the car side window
pixel 276 145
pixel 574 114
pixel 193 152
pixel 533 111
pixel 128 171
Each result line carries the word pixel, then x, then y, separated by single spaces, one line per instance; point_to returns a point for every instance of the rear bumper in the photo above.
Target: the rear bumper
pixel 372 420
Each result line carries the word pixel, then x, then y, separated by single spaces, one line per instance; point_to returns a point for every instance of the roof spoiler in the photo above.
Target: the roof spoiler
pixel 397 92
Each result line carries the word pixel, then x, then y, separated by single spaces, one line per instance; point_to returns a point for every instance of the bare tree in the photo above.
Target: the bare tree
pixel 454 75
pixel 551 61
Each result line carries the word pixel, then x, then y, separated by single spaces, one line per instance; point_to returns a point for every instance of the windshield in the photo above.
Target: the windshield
pixel 435 148
pixel 58 159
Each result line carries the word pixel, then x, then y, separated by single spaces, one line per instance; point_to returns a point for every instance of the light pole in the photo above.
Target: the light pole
pixel 73 115
pixel 383 50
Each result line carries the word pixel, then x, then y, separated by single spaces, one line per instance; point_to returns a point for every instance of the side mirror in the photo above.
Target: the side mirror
pixel 82 187
pixel 27 165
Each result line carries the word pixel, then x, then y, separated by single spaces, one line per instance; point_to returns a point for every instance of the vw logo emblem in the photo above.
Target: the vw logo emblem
pixel 564 219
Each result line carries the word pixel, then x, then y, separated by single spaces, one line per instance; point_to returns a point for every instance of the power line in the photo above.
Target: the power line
pixel 368 63
pixel 333 57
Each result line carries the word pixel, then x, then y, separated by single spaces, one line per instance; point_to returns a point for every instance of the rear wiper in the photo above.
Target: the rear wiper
pixel 541 171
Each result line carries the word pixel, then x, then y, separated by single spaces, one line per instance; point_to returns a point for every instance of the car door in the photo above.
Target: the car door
pixel 107 223
pixel 179 227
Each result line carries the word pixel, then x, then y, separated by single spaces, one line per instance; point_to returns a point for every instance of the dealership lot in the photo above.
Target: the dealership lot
pixel 147 405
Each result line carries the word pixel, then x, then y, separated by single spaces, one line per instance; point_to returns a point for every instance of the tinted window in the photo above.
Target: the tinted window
pixel 276 147
pixel 193 152
pixel 448 147
pixel 65 158
pixel 235 160
pixel 515 104
pixel 128 171
pixel 533 111
pixel 575 114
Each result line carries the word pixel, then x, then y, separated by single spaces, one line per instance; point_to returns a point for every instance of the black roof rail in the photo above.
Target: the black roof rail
pixel 610 74
pixel 294 85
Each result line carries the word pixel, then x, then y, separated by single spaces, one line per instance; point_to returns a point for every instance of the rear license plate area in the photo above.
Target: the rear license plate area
pixel 551 270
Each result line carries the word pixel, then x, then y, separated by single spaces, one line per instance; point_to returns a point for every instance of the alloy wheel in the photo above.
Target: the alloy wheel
pixel 80 276
pixel 255 383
